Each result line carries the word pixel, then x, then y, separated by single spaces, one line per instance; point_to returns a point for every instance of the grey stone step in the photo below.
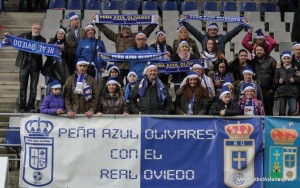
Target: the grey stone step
pixel 15 31
pixel 3 124
pixel 4 118
pixel 11 76
pixel 8 100
pixel 9 91
pixel 13 181
pixel 7 110
pixel 10 95
pixel 9 87
pixel 24 15
pixel 7 105
pixel 8 68
pixel 16 23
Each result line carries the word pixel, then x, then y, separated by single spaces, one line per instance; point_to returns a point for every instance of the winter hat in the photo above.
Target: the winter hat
pixel 149 65
pixel 55 84
pixel 62 30
pixel 295 44
pixel 112 80
pixel 259 34
pixel 191 74
pixel 112 66
pixel 196 65
pixel 140 34
pixel 72 15
pixel 131 72
pixel 213 26
pixel 82 62
pixel 179 28
pixel 126 26
pixel 224 91
pixel 183 43
pixel 89 26
pixel 159 32
pixel 248 86
pixel 228 80
pixel 286 54
pixel 249 70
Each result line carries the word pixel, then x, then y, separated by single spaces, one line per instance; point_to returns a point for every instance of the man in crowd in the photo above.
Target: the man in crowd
pixel 152 95
pixel 238 65
pixel 73 36
pixel 296 65
pixel 30 65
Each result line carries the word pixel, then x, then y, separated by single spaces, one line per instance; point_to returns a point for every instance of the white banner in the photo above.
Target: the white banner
pixel 80 152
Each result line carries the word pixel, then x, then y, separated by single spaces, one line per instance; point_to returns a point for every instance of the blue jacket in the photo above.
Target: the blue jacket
pixel 139 66
pixel 51 103
pixel 86 50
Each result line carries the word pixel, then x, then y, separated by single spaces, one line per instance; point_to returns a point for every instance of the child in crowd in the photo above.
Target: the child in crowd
pixel 249 104
pixel 286 82
pixel 132 81
pixel 224 106
pixel 54 103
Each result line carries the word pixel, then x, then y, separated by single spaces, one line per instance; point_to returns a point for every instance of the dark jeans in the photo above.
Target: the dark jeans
pixel 29 5
pixel 123 74
pixel 25 72
pixel 268 102
pixel 291 101
pixel 39 5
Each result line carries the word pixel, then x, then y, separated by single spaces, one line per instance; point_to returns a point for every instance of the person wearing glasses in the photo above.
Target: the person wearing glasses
pixel 140 47
pixel 80 92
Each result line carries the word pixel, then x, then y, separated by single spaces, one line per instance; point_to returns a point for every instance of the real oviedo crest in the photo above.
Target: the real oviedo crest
pixel 239 153
pixel 38 156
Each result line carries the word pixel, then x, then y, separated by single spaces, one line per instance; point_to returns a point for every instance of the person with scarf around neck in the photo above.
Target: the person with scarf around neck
pixel 53 69
pixel 141 46
pixel 206 81
pixel 112 99
pixel 74 34
pixel 132 83
pixel 183 35
pixel 88 49
pixel 150 96
pixel 30 65
pixel 259 39
pixel 296 65
pixel 191 98
pixel 54 104
pixel 183 54
pixel 248 79
pixel 211 54
pixel 249 104
pixel 286 82
pixel 225 106
pixel 161 46
pixel 237 66
pixel 80 92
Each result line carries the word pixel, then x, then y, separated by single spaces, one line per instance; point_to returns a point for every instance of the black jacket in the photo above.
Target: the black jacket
pixel 231 110
pixel 287 88
pixel 37 60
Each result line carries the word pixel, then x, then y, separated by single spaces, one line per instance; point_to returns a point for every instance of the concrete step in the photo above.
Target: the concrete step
pixel 24 15
pixel 9 87
pixel 15 31
pixel 7 22
pixel 7 105
pixel 8 52
pixel 7 110
pixel 13 181
pixel 9 91
pixel 10 95
pixel 11 76
pixel 8 68
pixel 3 124
pixel 4 118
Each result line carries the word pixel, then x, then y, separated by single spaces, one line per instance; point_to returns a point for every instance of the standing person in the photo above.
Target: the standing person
pixel 259 39
pixel 183 35
pixel 30 65
pixel 74 34
pixel 161 46
pixel 80 92
pixel 295 35
pixel 220 74
pixel 112 100
pixel 21 5
pixel 151 96
pixel 54 104
pixel 141 46
pixel 191 98
pixel 124 40
pixel 212 33
pixel 211 55
pixel 88 49
pixel 113 72
pixel 39 5
pixel 249 104
pixel 296 65
pixel 237 66
pixel 287 82
pixel 264 67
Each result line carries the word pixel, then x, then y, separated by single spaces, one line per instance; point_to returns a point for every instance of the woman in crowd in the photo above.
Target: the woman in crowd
pixel 161 46
pixel 112 100
pixel 191 98
pixel 220 74
pixel 183 35
pixel 211 54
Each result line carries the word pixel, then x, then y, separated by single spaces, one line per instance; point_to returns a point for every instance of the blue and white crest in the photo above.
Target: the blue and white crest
pixel 38 155
pixel 239 160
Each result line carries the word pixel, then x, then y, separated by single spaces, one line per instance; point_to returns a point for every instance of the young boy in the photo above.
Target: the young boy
pixel 54 103
pixel 132 81
pixel 286 82
pixel 224 106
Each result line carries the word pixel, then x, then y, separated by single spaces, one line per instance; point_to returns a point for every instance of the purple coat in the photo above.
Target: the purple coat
pixel 51 103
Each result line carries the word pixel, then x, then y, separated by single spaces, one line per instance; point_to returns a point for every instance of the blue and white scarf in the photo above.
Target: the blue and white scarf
pixel 31 46
pixel 131 56
pixel 82 87
pixel 128 89
pixel 191 105
pixel 229 19
pixel 177 66
pixel 125 19
pixel 161 90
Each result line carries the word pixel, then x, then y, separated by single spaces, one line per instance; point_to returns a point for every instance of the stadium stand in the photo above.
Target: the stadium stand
pixel 74 5
pixel 248 6
pixel 228 6
pixel 57 4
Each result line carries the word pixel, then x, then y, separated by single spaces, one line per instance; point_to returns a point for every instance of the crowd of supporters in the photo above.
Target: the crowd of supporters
pixel 247 85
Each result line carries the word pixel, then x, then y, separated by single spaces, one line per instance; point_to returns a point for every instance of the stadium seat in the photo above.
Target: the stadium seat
pixel 92 5
pixel 267 7
pixel 111 5
pixel 189 6
pixel 13 137
pixel 272 17
pixel 57 4
pixel 130 5
pixel 277 26
pixel 282 36
pixel 228 6
pixel 252 16
pixel 248 6
pixel 209 6
pixel 149 5
pixel 169 5
pixel 74 5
